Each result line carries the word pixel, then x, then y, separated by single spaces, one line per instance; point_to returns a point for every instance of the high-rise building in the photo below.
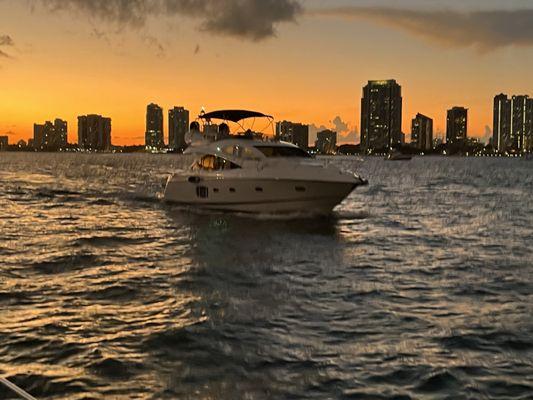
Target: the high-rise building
pixel 50 136
pixel 457 125
pixel 519 126
pixel 60 128
pixel 381 115
pixel 94 132
pixel 326 142
pixel 501 127
pixel 422 132
pixel 154 127
pixel 178 125
pixel 293 132
pixel 513 123
pixel 4 142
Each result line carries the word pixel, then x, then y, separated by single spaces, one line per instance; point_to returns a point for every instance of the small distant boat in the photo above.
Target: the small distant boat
pixel 396 155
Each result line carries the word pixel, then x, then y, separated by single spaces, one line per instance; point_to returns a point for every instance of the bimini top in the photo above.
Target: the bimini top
pixel 233 115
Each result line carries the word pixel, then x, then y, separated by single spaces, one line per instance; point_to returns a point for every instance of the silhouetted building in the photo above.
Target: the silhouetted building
pixel 4 142
pixel 326 142
pixel 422 132
pixel 60 128
pixel 154 137
pixel 520 122
pixel 513 123
pixel 457 125
pixel 50 136
pixel 94 132
pixel 178 126
pixel 501 128
pixel 293 132
pixel 381 115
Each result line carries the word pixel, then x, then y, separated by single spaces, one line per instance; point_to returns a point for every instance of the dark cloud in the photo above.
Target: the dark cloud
pixel 249 19
pixel 4 54
pixel 197 49
pixel 484 30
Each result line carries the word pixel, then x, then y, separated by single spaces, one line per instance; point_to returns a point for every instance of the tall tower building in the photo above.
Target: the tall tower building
pixel 50 136
pixel 513 123
pixel 154 127
pixel 501 127
pixel 60 133
pixel 422 132
pixel 178 125
pixel 326 142
pixel 381 115
pixel 456 125
pixel 94 132
pixel 519 124
pixel 293 132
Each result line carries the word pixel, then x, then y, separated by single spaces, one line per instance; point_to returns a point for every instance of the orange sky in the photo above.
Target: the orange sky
pixel 63 65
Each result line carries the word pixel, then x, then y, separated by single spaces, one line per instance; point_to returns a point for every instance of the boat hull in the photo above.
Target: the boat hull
pixel 277 196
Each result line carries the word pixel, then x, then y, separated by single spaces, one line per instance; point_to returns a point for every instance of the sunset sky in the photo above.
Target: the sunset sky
pixel 298 60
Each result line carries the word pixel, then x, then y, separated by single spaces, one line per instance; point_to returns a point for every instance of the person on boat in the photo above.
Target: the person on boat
pixel 194 135
pixel 223 131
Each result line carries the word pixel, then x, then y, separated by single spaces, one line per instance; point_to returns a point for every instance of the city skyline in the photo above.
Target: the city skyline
pixel 68 64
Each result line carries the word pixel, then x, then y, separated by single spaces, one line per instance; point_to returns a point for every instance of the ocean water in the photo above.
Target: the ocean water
pixel 419 286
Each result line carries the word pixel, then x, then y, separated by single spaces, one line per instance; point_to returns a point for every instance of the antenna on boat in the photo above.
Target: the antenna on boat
pixel 22 393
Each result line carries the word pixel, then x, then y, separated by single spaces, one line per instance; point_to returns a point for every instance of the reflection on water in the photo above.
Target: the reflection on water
pixel 418 286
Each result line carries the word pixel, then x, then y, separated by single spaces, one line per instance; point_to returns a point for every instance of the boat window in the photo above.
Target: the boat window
pixel 282 151
pixel 239 151
pixel 213 163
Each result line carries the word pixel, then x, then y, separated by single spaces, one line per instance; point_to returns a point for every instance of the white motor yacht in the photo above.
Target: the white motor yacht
pixel 245 173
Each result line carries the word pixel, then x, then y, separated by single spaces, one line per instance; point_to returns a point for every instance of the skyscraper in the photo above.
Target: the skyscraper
pixel 326 142
pixel 178 125
pixel 513 123
pixel 154 127
pixel 293 132
pixel 94 132
pixel 519 126
pixel 457 125
pixel 50 136
pixel 501 127
pixel 381 115
pixel 60 133
pixel 422 132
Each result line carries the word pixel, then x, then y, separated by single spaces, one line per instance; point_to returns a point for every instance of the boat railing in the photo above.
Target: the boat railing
pixel 14 388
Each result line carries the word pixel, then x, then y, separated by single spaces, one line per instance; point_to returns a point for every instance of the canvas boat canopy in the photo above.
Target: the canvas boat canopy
pixel 233 115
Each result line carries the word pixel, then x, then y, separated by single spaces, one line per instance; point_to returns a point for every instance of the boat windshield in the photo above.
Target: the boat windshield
pixel 282 151
pixel 213 163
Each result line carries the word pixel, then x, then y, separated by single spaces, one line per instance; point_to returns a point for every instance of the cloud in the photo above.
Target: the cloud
pixel 345 134
pixel 247 19
pixel 483 30
pixel 343 130
pixel 6 40
pixel 488 134
pixel 155 44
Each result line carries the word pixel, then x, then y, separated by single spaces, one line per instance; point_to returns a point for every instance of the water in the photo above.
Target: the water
pixel 418 286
